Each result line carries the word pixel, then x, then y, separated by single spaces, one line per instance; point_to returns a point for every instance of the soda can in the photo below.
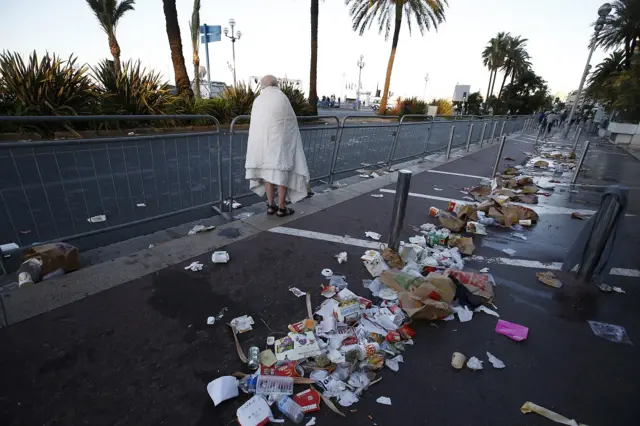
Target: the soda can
pixel 253 361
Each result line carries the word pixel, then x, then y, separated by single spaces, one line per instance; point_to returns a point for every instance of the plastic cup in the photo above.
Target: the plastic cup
pixel 457 360
pixel 433 211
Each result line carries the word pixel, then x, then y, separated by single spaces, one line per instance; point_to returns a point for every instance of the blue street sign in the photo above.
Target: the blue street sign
pixel 213 33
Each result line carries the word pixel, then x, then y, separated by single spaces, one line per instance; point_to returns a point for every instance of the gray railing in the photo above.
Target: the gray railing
pixel 53 190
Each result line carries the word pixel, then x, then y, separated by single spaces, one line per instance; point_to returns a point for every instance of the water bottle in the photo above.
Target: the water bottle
pixel 290 409
pixel 267 385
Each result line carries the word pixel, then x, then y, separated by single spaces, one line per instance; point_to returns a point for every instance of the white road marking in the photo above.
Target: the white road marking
pixel 538 208
pixel 368 244
pixel 508 261
pixel 457 174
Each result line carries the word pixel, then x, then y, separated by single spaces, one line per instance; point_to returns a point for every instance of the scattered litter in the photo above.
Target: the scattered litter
pixel 200 228
pixel 342 257
pixel 254 412
pixel 611 332
pixel 223 388
pixel 377 195
pixel 220 257
pixel 468 198
pixel 97 219
pixel 221 313
pixel 141 205
pixel 234 206
pixel 464 314
pixel 530 407
pixel 509 251
pixel 338 185
pixel 576 215
pixel 457 360
pixel 509 159
pixel 604 287
pixel 327 272
pixel 512 330
pixel 375 175
pixel 474 364
pixel 373 235
pixel 394 363
pixel 518 235
pixel 484 270
pixel 618 290
pixel 364 176
pixel 268 358
pixel 549 279
pixel 270 340
pixel 297 291
pixel 242 324
pixel 244 216
pixel 211 320
pixel 311 422
pixel 486 310
pixel 194 266
pixel 384 400
pixel 437 189
pixel 495 361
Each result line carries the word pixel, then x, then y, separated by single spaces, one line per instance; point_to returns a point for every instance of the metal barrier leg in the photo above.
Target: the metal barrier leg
pixel 537 135
pixel 608 215
pixel 426 146
pixel 579 166
pixel 392 151
pixel 495 166
pixel 399 208
pixel 450 141
pixel 502 129
pixel 493 132
pixel 469 136
pixel 484 128
pixel 576 138
pixel 334 156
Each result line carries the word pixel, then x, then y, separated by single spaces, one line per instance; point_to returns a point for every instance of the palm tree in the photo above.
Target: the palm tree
pixel 426 13
pixel 621 28
pixel 313 72
pixel 109 13
pixel 601 77
pixel 194 26
pixel 516 58
pixel 175 43
pixel 493 57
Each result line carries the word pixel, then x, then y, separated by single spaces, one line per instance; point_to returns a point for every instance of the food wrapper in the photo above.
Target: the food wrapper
pixel 374 263
pixel 464 244
pixel 392 258
pixel 477 283
pixel 452 223
pixel 429 310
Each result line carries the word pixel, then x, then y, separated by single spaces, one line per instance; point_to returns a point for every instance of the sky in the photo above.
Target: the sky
pixel 276 40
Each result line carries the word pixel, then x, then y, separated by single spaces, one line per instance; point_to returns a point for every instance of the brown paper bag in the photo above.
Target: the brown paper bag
pixel 400 281
pixel 451 222
pixel 444 285
pixel 464 244
pixel 392 258
pixel 467 212
pixel 55 256
pixel 430 310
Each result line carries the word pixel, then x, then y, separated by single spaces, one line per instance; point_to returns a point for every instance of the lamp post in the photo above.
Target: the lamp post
pixel 603 11
pixel 424 92
pixel 233 37
pixel 360 64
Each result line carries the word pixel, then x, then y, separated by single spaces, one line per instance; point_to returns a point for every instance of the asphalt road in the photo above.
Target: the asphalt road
pixel 142 354
pixel 50 192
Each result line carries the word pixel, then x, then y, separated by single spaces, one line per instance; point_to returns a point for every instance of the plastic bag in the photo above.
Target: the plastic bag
pixel 611 332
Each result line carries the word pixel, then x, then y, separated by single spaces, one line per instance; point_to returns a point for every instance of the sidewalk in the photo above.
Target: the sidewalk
pixel 142 353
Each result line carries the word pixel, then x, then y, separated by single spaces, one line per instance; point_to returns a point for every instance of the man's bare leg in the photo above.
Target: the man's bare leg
pixel 282 193
pixel 268 186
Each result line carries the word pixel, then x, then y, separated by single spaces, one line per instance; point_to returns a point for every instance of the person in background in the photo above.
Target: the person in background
pixel 275 156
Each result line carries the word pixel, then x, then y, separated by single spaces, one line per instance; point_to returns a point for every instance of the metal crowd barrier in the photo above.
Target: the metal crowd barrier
pixel 53 190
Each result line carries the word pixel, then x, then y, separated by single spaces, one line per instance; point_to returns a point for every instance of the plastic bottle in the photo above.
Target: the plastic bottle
pixel 267 385
pixel 290 409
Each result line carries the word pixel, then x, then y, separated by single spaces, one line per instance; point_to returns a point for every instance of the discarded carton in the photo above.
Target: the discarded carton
pixel 430 310
pixel 476 228
pixel 447 220
pixel 549 279
pixel 374 263
pixel 55 256
pixel 254 412
pixel 467 212
pixel 392 258
pixel 308 400
pixel 480 191
pixel 297 346
pixel 503 216
pixel 478 284
pixel 222 388
pixel 444 285
pixel 464 244
pixel 526 198
pixel 399 281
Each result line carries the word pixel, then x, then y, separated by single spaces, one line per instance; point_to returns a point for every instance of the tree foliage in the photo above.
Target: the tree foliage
pixel 621 29
pixel 109 13
pixel 528 93
pixel 444 106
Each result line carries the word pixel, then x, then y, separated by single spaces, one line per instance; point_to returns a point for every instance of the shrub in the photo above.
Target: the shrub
pixel 444 106
pixel 135 91
pixel 299 103
pixel 217 107
pixel 49 86
pixel 409 106
pixel 239 98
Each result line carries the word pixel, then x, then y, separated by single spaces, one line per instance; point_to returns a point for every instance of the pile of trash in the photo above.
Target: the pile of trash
pixel 339 350
pixel 47 261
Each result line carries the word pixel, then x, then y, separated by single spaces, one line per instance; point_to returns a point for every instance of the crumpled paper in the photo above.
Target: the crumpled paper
pixel 194 266
pixel 530 407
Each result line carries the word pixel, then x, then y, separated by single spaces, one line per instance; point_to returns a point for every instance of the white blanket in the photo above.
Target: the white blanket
pixel 274 148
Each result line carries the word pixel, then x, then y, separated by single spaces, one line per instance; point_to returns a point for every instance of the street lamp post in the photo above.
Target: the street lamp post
pixel 603 11
pixel 424 92
pixel 360 64
pixel 233 37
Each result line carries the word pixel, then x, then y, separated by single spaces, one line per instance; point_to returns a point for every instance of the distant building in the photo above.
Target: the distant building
pixel 571 98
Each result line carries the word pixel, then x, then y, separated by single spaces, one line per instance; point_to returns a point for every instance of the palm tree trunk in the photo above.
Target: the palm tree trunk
pixel 493 85
pixel 175 43
pixel 504 79
pixel 115 52
pixel 486 100
pixel 394 44
pixel 196 74
pixel 313 71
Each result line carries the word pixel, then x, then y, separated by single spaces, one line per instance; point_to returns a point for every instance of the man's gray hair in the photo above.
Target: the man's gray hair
pixel 269 81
